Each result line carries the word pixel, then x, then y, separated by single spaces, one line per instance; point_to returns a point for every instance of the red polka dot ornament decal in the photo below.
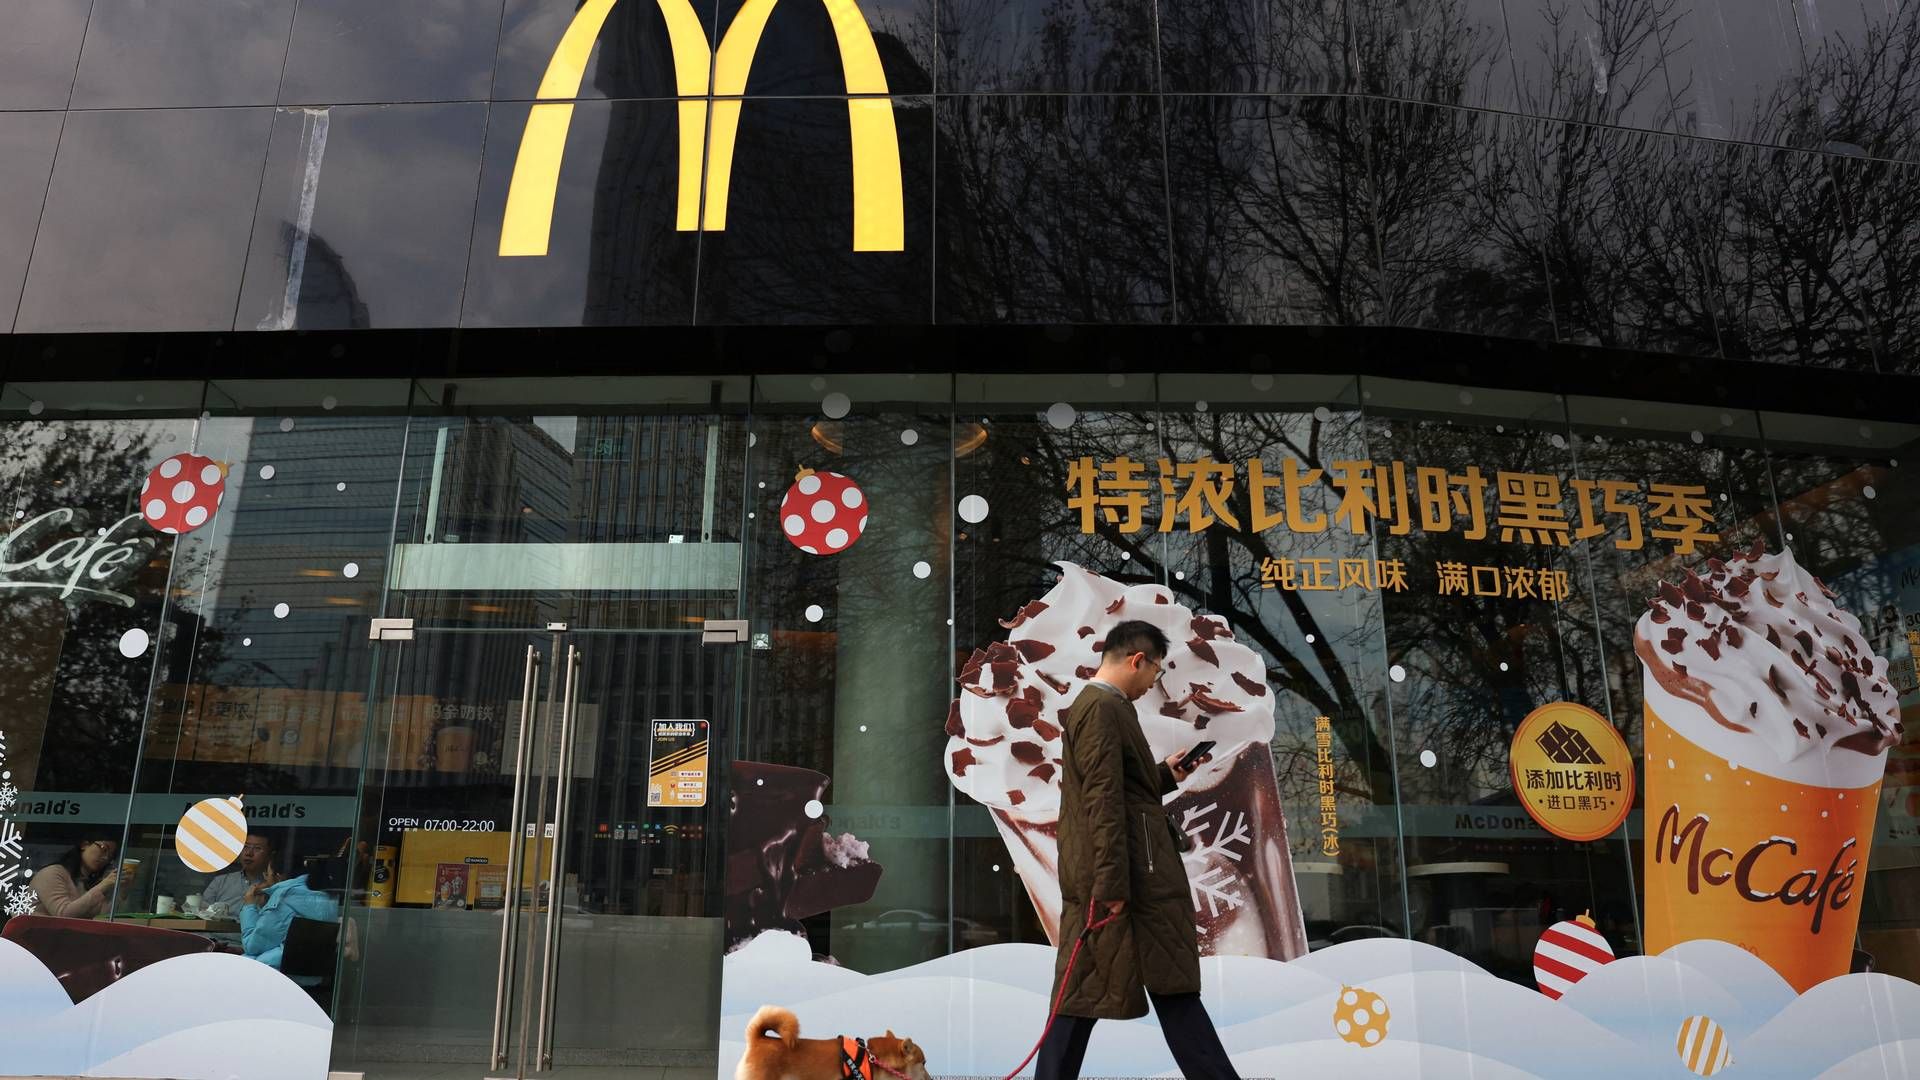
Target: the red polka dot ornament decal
pixel 182 493
pixel 823 513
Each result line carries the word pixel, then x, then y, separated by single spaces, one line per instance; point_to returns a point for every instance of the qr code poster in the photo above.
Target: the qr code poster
pixel 677 763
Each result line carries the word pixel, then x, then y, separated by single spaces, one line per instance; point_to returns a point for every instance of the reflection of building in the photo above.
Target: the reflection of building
pixel 1479 288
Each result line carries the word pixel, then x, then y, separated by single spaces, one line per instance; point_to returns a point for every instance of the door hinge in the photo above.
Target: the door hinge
pixel 390 630
pixel 723 632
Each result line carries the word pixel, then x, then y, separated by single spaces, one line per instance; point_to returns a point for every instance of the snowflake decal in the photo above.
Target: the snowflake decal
pixel 12 858
pixel 1211 877
pixel 8 796
pixel 21 901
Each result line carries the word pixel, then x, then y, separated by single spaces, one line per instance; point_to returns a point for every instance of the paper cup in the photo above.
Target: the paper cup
pixel 163 905
pixel 1772 865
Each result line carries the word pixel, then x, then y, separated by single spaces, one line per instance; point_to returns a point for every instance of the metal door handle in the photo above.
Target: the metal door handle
pixel 510 912
pixel 569 709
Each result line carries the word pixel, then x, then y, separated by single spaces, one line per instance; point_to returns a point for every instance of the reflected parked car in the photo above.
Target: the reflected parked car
pixel 1321 935
pixel 968 933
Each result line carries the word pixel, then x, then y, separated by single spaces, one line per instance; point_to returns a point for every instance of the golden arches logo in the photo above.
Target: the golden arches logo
pixel 878 208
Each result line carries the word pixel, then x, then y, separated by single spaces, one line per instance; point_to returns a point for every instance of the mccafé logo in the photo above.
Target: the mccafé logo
pixel 1717 868
pixel 878 209
pixel 82 564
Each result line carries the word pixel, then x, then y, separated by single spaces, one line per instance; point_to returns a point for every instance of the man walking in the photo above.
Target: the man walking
pixel 1117 852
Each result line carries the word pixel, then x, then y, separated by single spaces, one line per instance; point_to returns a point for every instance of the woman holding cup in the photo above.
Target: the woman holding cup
pixel 79 885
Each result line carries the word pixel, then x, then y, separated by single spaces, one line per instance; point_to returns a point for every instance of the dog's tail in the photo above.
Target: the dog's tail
pixel 782 1022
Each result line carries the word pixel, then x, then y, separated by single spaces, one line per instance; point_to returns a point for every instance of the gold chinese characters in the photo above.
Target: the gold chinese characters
pixel 1512 507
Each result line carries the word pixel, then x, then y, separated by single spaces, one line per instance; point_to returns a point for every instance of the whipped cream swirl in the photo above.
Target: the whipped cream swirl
pixel 1759 644
pixel 1004 727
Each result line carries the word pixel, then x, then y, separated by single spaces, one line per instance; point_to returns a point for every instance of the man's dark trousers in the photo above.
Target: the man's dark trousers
pixel 1183 1020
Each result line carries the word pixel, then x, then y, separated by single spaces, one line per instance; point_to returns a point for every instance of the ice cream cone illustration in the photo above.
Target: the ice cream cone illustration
pixel 1768 720
pixel 1003 749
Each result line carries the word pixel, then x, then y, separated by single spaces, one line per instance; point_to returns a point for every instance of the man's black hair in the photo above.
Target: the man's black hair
pixel 1135 636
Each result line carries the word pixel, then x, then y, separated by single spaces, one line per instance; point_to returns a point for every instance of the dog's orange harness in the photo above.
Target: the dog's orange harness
pixel 856 1061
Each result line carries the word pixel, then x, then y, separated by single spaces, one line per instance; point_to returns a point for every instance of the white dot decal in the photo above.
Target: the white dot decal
pixel 1323 414
pixel 1429 758
pixel 922 570
pixel 1343 1028
pixel 836 538
pixel 815 613
pixel 1199 406
pixel 835 405
pixel 851 498
pixel 133 643
pixel 351 570
pixel 35 408
pixel 170 468
pixel 329 403
pixel 266 472
pixel 909 437
pixel 822 511
pixel 210 474
pixel 246 642
pixel 196 515
pixel 795 525
pixel 973 509
pixel 809 484
pixel 183 491
pixel 156 508
pixel 1116 380
pixel 281 611
pixel 815 808
pixel 818 383
pixel 1868 491
pixel 341 486
pixel 1061 415
pixel 1349 998
pixel 1263 382
pixel 286 424
pixel 1397 673
pixel 1373 1035
pixel 1697 436
pixel 1311 639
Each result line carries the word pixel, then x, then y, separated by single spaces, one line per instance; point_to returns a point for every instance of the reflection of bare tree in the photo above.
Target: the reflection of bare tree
pixel 65 676
pixel 1362 210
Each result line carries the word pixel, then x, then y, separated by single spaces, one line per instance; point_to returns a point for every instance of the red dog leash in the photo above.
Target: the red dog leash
pixel 1092 925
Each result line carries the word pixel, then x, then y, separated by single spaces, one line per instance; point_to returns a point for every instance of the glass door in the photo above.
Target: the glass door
pixel 542 833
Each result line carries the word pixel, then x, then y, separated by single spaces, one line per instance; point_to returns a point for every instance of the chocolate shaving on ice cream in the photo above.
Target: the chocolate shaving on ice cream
pixel 1799 674
pixel 1007 687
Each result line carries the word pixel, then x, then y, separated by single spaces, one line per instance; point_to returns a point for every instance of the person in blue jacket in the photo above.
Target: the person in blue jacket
pixel 269 907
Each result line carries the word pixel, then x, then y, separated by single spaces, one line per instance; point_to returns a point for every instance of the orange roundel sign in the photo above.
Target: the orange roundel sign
pixel 1572 771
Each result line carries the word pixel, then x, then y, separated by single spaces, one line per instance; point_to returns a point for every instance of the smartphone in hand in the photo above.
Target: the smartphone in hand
pixel 1194 755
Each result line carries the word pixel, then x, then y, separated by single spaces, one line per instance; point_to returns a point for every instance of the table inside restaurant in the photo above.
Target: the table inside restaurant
pixel 177 922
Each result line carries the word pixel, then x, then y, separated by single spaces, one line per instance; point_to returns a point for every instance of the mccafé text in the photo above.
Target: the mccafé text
pixel 1718 867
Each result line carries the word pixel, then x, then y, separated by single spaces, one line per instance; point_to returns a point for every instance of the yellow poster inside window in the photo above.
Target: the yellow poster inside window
pixel 677 763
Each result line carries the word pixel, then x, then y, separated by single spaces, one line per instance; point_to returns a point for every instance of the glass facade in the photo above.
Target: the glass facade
pixel 605 492
pixel 1416 569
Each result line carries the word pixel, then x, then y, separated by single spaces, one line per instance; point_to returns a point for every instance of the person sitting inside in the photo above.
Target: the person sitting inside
pixel 256 859
pixel 79 885
pixel 269 907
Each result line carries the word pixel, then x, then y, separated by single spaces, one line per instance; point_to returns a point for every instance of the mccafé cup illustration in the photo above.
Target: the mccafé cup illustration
pixel 1004 748
pixel 1768 719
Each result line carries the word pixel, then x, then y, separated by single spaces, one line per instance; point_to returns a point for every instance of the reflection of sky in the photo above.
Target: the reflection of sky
pixel 563 429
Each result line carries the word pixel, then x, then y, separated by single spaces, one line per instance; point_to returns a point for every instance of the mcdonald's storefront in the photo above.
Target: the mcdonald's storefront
pixel 537 529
